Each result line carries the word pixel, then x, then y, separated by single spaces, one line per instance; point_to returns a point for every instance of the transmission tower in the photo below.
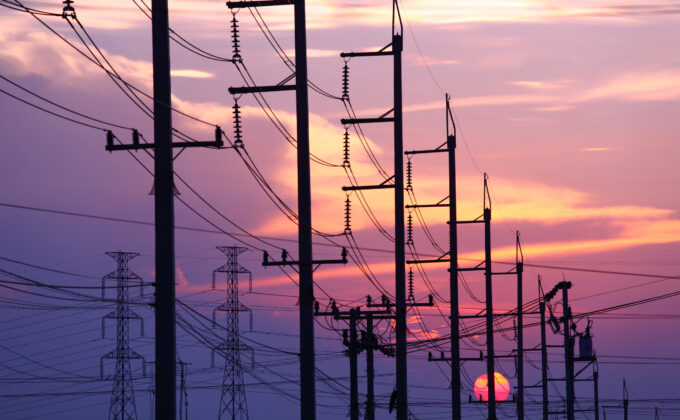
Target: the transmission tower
pixel 122 396
pixel 233 404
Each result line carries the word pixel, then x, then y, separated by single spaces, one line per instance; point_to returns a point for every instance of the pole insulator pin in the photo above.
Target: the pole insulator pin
pixel 218 136
pixel 109 140
pixel 135 137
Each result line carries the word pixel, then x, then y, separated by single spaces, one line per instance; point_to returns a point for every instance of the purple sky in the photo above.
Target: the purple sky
pixel 571 107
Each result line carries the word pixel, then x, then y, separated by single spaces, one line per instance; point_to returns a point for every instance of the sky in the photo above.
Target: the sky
pixel 569 107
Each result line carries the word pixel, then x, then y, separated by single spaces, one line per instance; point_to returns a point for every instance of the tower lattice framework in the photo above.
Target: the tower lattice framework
pixel 122 395
pixel 233 404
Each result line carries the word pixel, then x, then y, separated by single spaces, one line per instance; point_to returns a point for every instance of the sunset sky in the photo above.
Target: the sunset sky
pixel 571 108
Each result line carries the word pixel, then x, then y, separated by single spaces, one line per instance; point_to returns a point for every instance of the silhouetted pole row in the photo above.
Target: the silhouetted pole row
pixel 450 149
pixel 455 358
pixel 354 347
pixel 586 353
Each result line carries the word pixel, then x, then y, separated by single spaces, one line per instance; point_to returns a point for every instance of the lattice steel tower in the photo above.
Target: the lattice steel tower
pixel 122 396
pixel 233 404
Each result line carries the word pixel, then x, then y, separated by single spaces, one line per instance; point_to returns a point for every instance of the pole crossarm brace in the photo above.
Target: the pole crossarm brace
pixel 383 118
pixel 380 186
pixel 442 358
pixel 260 89
pixel 439 149
pixel 136 145
pixel 435 260
pixel 258 3
pixel 285 261
pixel 383 51
pixel 440 203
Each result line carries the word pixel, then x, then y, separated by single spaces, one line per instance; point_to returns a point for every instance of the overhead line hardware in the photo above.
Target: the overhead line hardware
pixel 381 51
pixel 382 185
pixel 285 261
pixel 258 3
pixel 260 89
pixel 383 118
pixel 136 145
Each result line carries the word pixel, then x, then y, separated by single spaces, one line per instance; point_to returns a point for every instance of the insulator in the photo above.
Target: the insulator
pixel 516 364
pixel 237 125
pixel 409 173
pixel 410 284
pixel 234 39
pixel 345 82
pixel 68 9
pixel 218 136
pixel 345 149
pixel 348 227
pixel 409 230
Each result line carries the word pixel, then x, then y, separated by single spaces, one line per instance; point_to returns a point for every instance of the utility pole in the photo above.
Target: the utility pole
pixel 625 400
pixel 306 284
pixel 453 264
pixel 183 394
pixel 369 345
pixel 122 396
pixel 490 368
pixel 596 392
pixel 398 185
pixel 305 263
pixel 568 350
pixel 164 215
pixel 399 241
pixel 353 351
pixel 544 351
pixel 233 402
pixel 519 264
